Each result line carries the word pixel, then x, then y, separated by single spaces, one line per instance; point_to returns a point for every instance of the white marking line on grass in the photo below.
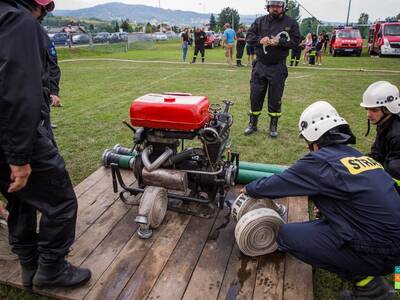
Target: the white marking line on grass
pixel 221 64
pixel 299 77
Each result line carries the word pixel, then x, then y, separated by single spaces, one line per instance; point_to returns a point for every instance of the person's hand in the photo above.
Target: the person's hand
pixel 55 101
pixel 265 41
pixel 3 211
pixel 274 41
pixel 19 177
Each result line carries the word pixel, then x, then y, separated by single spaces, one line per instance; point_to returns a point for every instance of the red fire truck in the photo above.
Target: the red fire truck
pixel 346 40
pixel 384 38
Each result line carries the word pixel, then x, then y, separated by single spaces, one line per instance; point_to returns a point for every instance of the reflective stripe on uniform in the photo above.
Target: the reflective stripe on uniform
pixel 255 113
pixel 274 114
pixel 365 281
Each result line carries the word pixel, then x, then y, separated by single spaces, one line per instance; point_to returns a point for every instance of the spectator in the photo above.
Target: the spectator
pixel 185 43
pixel 307 46
pixel 229 42
pixel 319 45
pixel 326 40
pixel 250 54
pixel 240 44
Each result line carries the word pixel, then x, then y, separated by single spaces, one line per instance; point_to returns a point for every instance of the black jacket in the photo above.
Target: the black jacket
pixel 353 192
pixel 386 148
pixel 23 82
pixel 200 38
pixel 268 26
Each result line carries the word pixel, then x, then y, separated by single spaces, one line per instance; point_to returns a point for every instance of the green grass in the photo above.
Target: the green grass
pixel 97 95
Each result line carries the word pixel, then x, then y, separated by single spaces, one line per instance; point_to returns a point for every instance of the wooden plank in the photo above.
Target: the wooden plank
pixel 95 191
pixel 87 243
pixel 105 253
pixel 90 181
pixel 240 277
pixel 87 216
pixel 7 269
pixel 209 273
pixel 114 279
pixel 270 272
pixel 298 282
pixel 141 283
pixel 176 275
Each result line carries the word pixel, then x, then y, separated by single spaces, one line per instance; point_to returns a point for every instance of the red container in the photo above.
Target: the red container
pixel 170 111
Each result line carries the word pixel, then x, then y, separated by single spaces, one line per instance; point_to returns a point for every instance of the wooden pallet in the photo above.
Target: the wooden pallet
pixel 187 257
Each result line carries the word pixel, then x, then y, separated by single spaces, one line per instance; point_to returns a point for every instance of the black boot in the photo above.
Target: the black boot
pixel 193 61
pixel 28 271
pixel 239 63
pixel 377 289
pixel 252 125
pixel 273 127
pixel 61 274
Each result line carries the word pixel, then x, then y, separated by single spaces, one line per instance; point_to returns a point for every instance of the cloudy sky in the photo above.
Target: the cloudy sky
pixel 327 10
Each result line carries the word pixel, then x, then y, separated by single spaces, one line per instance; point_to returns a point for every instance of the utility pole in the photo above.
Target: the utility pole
pixel 233 21
pixel 159 3
pixel 348 14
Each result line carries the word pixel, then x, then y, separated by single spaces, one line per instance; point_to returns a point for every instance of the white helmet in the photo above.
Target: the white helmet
pixel 382 94
pixel 317 119
pixel 277 2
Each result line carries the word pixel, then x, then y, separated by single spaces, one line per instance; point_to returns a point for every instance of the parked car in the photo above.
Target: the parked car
pixel 171 35
pixel 160 36
pixel 140 36
pixel 81 39
pixel 346 40
pixel 384 38
pixel 117 37
pixel 123 36
pixel 101 37
pixel 60 38
pixel 212 40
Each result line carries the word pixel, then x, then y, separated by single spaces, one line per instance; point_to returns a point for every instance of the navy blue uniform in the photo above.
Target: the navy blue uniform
pixel 359 233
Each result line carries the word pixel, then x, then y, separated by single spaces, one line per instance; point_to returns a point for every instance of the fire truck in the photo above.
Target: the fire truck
pixel 346 40
pixel 384 39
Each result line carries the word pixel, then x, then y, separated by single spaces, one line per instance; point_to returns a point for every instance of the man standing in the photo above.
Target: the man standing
pixel 272 36
pixel 200 38
pixel 229 42
pixel 32 172
pixel 240 44
pixel 382 102
pixel 358 235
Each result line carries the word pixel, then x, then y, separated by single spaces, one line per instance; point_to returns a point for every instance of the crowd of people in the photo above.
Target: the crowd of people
pixel 312 46
pixel 357 235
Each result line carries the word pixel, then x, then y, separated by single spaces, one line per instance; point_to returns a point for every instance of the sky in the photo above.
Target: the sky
pixel 326 10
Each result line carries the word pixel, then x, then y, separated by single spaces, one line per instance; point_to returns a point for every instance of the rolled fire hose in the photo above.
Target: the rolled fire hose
pixel 153 205
pixel 258 225
pixel 257 230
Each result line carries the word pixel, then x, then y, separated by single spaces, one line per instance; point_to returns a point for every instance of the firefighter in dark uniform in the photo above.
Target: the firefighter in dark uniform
pixel 272 36
pixel 382 102
pixel 358 236
pixel 296 53
pixel 240 45
pixel 200 39
pixel 32 172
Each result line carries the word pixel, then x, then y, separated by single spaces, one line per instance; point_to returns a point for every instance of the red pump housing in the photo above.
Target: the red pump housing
pixel 174 111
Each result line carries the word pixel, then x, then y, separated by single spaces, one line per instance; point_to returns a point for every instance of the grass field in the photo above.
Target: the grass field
pixel 97 94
